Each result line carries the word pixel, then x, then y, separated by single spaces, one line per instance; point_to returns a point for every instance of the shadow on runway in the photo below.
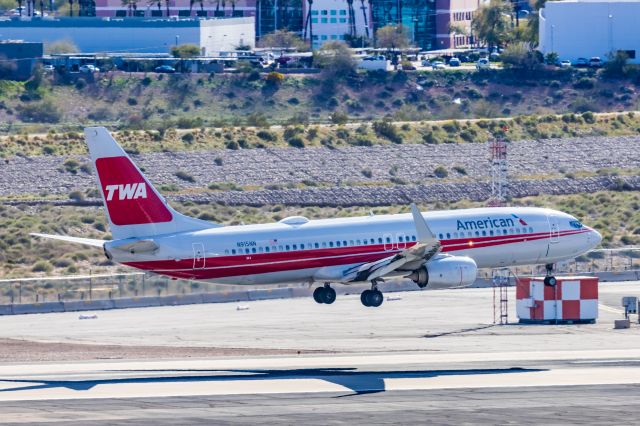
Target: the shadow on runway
pixel 359 382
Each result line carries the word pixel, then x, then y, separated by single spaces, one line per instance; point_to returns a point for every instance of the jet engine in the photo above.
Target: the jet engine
pixel 446 271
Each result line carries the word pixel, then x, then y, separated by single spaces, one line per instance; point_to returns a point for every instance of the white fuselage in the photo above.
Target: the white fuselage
pixel 296 249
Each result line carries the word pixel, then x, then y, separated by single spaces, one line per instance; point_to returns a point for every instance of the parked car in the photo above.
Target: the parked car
pixel 582 62
pixel 426 63
pixel 167 69
pixel 88 68
pixel 564 63
pixel 595 62
pixel 483 64
pixel 494 57
pixel 438 65
pixel 464 58
pixel 48 68
pixel 408 66
pixel 454 62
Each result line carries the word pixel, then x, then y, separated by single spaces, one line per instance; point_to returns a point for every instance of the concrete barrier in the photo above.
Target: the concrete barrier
pixel 138 302
pixel 88 305
pixel 182 299
pixel 6 310
pixel 225 297
pixel 38 308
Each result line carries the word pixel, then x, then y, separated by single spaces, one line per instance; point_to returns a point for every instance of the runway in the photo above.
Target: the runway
pixel 458 372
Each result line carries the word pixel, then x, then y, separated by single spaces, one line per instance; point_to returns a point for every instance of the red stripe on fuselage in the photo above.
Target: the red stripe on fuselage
pixel 262 263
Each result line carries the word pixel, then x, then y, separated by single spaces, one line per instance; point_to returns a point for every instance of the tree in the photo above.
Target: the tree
pixel 521 57
pixel 61 47
pixel 392 37
pixel 492 22
pixel 551 58
pixel 185 51
pixel 336 59
pixel 616 65
pixel 283 38
pixel 534 20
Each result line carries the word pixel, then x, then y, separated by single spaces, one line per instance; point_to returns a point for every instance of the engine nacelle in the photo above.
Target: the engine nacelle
pixel 446 271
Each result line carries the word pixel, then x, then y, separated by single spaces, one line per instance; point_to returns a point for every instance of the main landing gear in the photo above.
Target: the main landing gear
pixel 372 298
pixel 549 279
pixel 326 294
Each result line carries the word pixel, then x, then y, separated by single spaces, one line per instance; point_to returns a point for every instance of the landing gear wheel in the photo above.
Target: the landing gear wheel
pixel 318 295
pixel 328 295
pixel 375 298
pixel 550 281
pixel 364 297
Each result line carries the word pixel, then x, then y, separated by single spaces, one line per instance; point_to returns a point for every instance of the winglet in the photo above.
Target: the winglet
pixel 422 229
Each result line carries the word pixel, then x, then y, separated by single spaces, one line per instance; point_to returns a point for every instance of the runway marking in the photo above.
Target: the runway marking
pixel 610 309
pixel 320 361
pixel 366 382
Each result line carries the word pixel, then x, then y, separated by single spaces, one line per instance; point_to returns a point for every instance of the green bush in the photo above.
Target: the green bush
pixel 296 142
pixel 40 112
pixel 185 176
pixel 42 266
pixel 585 83
pixel 441 172
pixel 387 130
pixel 266 136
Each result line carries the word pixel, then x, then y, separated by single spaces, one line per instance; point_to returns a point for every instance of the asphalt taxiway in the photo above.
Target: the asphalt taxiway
pixel 426 356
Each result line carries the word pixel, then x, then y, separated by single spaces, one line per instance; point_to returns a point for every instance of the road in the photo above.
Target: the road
pixel 426 357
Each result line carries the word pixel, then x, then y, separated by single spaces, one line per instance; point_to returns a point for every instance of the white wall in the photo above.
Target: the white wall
pixel 224 35
pixel 582 29
pixel 215 35
pixel 335 30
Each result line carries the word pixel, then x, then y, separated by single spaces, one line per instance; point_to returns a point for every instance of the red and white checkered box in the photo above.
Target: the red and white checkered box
pixel 572 299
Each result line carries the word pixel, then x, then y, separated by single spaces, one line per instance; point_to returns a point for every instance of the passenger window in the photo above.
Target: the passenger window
pixel 358 242
pixel 301 246
pixel 295 247
pixel 477 234
pixel 324 245
pixel 266 249
pixel 337 243
pixel 491 232
pixel 388 239
pixel 504 232
pixel 379 240
pixel 316 245
pixel 530 230
pixel 372 241
pixel 344 243
pixel 226 252
pixel 253 250
pixel 484 233
pixel 400 239
pixel 440 236
pixel 330 243
pixel 246 251
pixel 448 236
pixel 280 248
pixel 286 247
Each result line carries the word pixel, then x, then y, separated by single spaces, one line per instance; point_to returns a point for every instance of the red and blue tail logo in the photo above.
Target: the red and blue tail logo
pixel 522 222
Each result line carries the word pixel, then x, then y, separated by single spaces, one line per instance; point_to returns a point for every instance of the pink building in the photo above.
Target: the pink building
pixel 181 8
pixel 457 14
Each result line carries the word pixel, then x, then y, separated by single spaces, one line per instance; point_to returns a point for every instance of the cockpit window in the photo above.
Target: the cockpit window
pixel 575 224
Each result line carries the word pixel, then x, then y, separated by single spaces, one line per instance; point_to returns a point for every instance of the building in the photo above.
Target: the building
pixel 270 14
pixel 455 14
pixel 95 35
pixel 417 17
pixel 585 28
pixel 327 20
pixel 179 8
pixel 18 59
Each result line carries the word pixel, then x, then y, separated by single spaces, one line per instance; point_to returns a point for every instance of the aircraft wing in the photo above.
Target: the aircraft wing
pixel 137 246
pixel 427 246
pixel 85 241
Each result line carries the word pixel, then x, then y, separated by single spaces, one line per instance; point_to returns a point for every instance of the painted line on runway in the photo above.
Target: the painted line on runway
pixel 610 309
pixel 321 384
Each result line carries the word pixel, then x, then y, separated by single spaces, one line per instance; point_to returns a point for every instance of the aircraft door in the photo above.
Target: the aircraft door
pixel 198 256
pixel 554 229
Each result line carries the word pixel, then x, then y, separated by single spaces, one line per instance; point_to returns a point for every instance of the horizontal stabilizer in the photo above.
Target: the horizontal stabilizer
pixel 84 241
pixel 139 246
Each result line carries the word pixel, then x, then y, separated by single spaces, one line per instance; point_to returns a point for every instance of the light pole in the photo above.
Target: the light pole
pixel 177 38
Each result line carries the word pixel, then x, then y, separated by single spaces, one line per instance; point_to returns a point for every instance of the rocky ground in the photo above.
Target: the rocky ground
pixel 378 175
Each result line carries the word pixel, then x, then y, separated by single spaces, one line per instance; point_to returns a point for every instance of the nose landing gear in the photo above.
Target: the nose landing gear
pixel 324 295
pixel 549 279
pixel 372 298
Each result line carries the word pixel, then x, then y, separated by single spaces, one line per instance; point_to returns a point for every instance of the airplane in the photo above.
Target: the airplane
pixel 440 248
